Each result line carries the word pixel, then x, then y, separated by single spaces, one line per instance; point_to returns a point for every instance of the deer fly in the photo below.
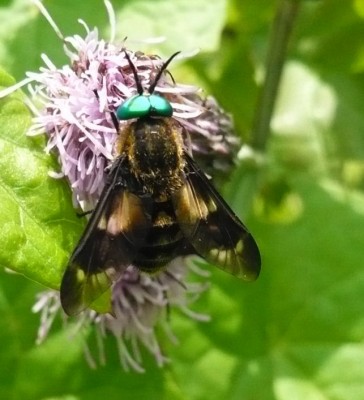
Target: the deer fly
pixel 157 204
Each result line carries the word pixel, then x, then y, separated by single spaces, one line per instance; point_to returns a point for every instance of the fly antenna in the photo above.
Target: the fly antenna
pixel 160 72
pixel 135 73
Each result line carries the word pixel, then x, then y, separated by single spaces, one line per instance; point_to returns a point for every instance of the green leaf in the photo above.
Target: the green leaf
pixel 168 19
pixel 39 224
pixel 313 286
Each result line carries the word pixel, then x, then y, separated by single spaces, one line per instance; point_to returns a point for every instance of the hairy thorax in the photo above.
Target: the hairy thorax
pixel 155 151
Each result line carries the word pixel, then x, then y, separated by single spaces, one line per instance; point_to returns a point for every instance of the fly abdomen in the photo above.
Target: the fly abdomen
pixel 154 256
pixel 164 242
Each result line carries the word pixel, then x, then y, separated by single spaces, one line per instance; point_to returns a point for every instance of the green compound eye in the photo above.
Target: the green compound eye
pixel 160 107
pixel 145 104
pixel 142 105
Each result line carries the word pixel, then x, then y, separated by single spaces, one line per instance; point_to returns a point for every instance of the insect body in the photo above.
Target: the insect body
pixel 156 205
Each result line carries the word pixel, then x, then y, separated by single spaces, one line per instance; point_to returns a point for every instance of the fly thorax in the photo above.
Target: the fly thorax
pixel 156 154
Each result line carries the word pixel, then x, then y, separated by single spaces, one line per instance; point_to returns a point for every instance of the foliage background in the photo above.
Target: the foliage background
pixel 297 333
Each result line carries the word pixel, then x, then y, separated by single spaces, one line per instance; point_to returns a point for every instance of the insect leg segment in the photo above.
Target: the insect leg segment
pixel 114 119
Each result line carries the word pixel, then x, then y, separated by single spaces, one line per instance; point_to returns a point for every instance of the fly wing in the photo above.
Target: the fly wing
pixel 212 228
pixel 112 237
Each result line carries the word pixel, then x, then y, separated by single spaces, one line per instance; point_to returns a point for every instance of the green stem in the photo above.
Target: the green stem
pixel 281 33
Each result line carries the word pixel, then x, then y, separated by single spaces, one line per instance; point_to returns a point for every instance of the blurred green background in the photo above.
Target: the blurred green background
pixel 297 333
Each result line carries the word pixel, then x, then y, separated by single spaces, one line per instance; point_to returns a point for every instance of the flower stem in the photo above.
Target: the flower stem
pixel 277 49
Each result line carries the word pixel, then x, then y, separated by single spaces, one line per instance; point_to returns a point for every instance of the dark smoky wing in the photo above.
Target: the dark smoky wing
pixel 212 228
pixel 113 235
